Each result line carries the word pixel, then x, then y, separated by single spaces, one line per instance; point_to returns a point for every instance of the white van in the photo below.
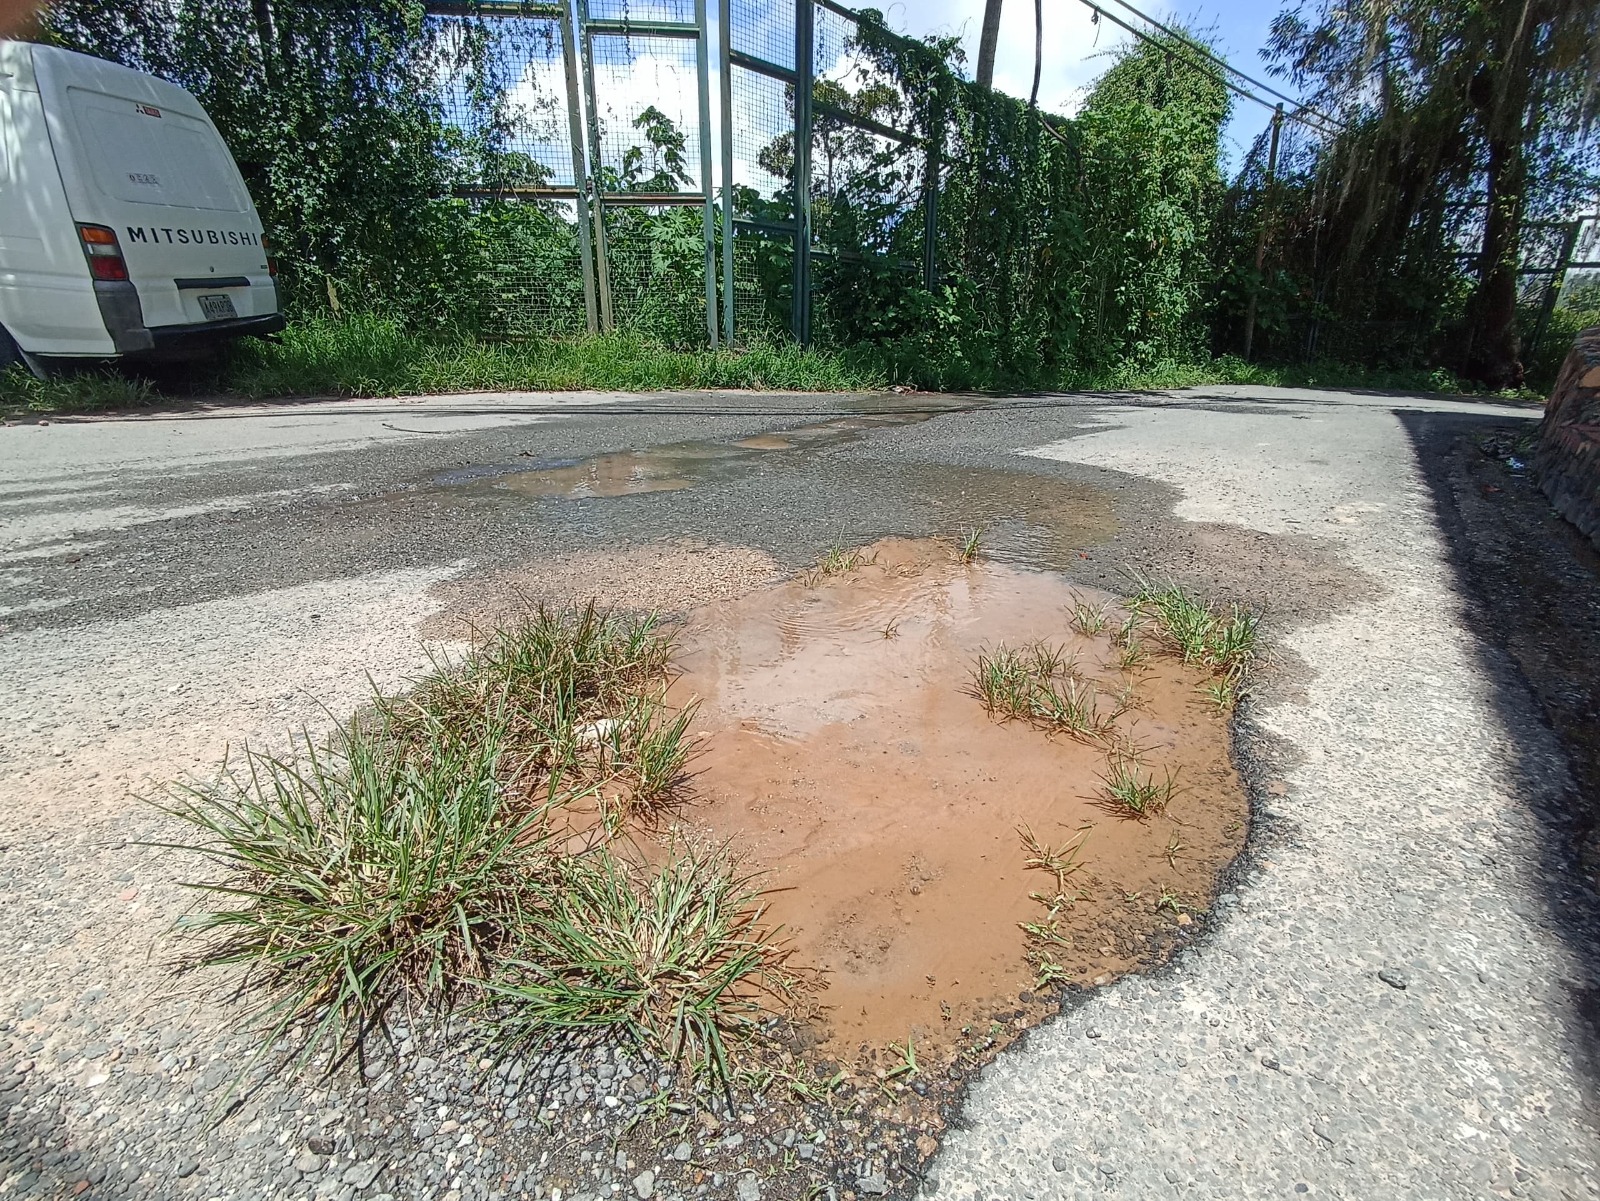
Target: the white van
pixel 125 227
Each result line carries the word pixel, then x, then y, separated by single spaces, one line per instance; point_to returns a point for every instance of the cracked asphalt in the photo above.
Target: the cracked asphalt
pixel 1395 997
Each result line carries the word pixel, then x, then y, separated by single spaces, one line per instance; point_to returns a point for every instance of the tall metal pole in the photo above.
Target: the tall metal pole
pixel 803 67
pixel 580 180
pixel 708 224
pixel 725 32
pixel 1261 236
pixel 930 199
pixel 601 258
pixel 1552 289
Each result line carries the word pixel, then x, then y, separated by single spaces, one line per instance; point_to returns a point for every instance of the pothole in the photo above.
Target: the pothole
pixel 844 751
pixel 668 468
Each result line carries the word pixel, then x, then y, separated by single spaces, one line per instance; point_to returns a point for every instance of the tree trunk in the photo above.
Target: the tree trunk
pixel 1495 357
pixel 987 42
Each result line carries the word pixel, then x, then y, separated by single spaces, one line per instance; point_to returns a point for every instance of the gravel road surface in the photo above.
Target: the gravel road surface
pixel 1395 999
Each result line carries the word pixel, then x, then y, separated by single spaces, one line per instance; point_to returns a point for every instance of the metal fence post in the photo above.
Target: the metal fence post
pixel 725 39
pixel 580 177
pixel 804 15
pixel 702 49
pixel 930 203
pixel 1261 235
pixel 1552 288
pixel 597 173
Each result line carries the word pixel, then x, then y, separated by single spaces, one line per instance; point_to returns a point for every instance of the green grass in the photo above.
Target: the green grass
pixel 89 392
pixel 368 355
pixel 362 872
pixel 425 852
pixel 970 544
pixel 1130 790
pixel 1040 684
pixel 836 560
pixel 1222 641
pixel 674 956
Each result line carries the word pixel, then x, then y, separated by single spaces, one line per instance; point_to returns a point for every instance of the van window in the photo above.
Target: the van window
pixel 149 155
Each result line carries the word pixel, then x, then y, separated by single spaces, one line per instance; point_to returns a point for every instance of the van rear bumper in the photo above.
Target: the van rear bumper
pixel 200 333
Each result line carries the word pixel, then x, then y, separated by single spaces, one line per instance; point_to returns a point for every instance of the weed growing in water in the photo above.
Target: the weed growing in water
pixel 1223 642
pixel 1175 847
pixel 971 542
pixel 1045 936
pixel 892 630
pixel 1062 862
pixel 836 560
pixel 1087 619
pixel 1132 792
pixel 1040 684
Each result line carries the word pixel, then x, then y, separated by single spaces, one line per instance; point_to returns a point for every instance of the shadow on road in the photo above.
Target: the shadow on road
pixel 1531 583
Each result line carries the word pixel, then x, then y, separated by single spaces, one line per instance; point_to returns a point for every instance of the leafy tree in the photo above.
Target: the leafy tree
pixel 1443 103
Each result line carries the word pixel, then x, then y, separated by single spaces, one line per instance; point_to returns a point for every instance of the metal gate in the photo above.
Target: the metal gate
pixel 592 135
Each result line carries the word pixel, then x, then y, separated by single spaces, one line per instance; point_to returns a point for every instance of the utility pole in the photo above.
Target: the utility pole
pixel 1261 236
pixel 987 42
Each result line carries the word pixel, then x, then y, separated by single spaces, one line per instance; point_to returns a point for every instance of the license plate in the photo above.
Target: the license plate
pixel 217 308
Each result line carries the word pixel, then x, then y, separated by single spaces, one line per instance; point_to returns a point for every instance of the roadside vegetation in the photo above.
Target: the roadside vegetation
pixel 367 356
pixel 465 845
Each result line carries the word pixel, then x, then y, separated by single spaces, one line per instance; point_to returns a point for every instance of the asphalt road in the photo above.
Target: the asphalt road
pixel 1391 1001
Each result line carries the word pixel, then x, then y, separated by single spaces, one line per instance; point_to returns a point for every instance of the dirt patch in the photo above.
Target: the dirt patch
pixel 671 577
pixel 843 750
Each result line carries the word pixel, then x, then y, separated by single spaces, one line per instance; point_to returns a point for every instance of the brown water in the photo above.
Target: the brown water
pixel 681 465
pixel 842 750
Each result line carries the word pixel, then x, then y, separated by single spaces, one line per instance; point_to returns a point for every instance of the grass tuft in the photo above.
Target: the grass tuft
pixel 674 956
pixel 1039 683
pixel 1133 792
pixel 83 392
pixel 360 872
pixel 425 852
pixel 969 546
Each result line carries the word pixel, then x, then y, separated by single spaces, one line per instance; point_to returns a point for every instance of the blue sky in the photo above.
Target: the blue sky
pixel 1075 50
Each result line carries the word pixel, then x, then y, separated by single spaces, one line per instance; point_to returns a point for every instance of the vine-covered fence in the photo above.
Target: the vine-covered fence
pixel 865 192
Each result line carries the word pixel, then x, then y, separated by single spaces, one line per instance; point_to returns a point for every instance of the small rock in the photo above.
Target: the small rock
pixel 1059 1162
pixel 361 1175
pixel 645 1184
pixel 1277 788
pixel 1091 1032
pixel 308 1163
pixel 1185 920
pixel 748 1189
pixel 733 1142
pixel 875 1185
pixel 1394 978
pixel 23 1067
pixel 127 894
pixel 186 1168
pixel 320 1145
pixel 682 1152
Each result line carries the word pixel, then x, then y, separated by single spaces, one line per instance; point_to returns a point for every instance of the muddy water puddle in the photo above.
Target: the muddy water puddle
pixel 842 750
pixel 671 467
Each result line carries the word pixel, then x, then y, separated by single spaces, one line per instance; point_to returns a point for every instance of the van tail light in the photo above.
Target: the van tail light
pixel 272 259
pixel 104 254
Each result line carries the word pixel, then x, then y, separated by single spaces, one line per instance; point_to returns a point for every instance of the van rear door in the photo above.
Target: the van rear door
pixel 150 166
